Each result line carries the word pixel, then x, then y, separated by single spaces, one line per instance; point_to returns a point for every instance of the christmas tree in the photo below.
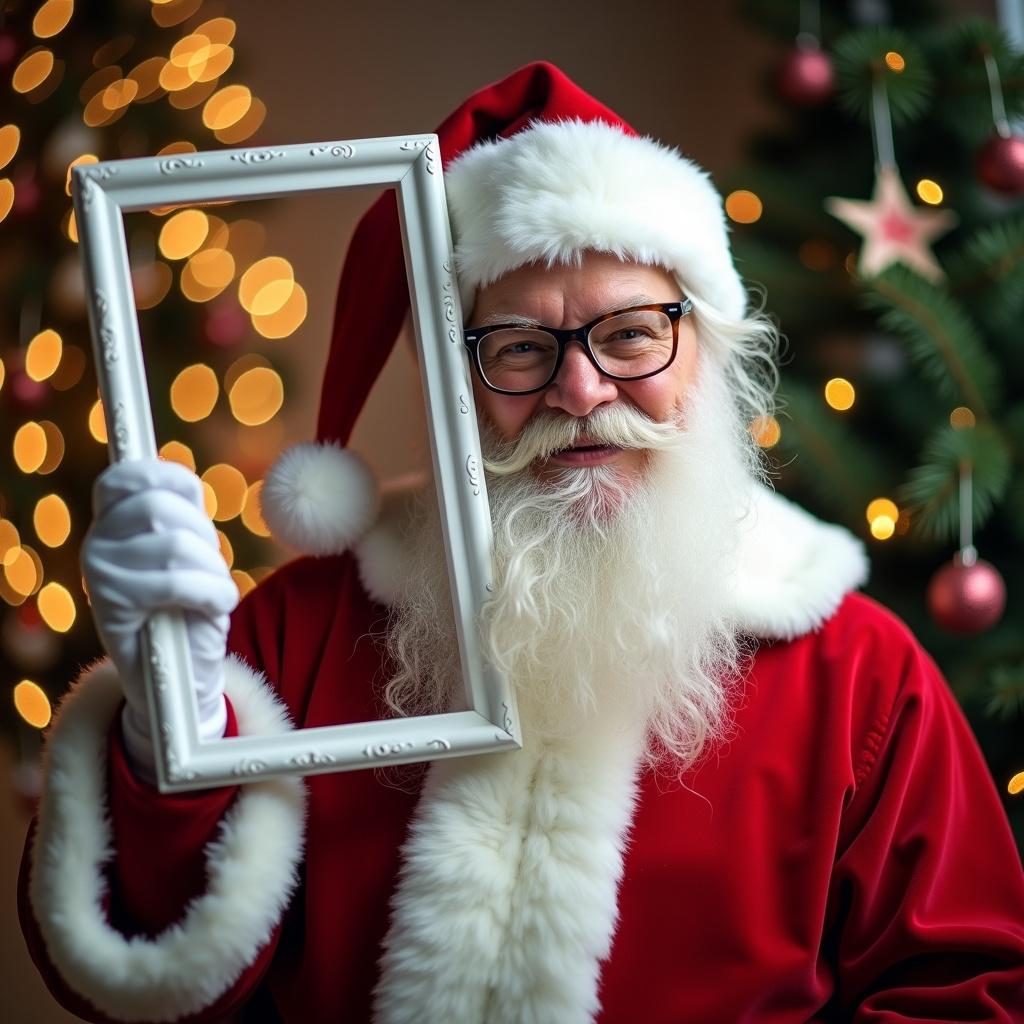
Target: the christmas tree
pixel 93 82
pixel 902 394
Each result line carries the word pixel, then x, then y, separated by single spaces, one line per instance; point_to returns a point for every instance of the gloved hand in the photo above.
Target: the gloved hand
pixel 151 546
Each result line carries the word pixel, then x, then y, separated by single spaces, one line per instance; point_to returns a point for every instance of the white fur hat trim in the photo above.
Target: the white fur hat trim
pixel 557 189
pixel 319 498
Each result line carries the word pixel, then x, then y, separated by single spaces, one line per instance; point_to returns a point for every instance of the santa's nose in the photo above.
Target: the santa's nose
pixel 579 387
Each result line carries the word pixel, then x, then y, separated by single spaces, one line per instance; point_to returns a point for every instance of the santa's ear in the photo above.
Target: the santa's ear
pixel 319 498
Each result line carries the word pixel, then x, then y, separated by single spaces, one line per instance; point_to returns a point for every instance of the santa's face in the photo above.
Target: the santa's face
pixel 566 297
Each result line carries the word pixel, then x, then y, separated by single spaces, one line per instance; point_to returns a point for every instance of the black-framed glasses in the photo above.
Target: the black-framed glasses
pixel 627 344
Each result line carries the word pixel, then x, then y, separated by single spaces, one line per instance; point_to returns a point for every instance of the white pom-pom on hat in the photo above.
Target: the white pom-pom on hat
pixel 319 498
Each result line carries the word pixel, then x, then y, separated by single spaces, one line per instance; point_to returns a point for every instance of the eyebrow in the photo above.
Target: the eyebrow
pixel 525 321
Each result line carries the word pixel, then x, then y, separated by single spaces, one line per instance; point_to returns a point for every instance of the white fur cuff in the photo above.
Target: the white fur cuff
pixel 251 866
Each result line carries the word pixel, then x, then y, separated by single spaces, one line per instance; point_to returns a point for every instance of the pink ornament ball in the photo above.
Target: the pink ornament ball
pixel 805 78
pixel 1000 164
pixel 966 599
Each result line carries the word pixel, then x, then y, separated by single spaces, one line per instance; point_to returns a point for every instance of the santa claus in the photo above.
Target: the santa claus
pixel 745 793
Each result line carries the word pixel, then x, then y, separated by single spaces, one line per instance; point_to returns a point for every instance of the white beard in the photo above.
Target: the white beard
pixel 613 601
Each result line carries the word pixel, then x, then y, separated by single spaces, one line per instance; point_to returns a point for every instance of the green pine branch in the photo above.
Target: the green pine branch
pixel 1006 697
pixel 991 262
pixel 940 337
pixel 860 64
pixel 932 491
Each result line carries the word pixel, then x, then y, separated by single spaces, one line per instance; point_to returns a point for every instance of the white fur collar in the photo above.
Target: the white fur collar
pixel 793 569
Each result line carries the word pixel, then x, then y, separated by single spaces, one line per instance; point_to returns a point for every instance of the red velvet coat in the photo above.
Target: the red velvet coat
pixel 844 858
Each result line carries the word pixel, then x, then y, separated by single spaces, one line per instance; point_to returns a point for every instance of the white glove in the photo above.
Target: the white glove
pixel 151 546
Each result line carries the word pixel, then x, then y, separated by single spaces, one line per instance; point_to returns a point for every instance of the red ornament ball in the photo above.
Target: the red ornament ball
pixel 966 598
pixel 805 77
pixel 1000 164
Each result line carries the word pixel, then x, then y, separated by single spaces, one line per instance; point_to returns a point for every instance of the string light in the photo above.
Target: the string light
pixel 209 499
pixel 70 370
pixel 287 319
pixel 840 394
pixel 151 283
pixel 85 158
pixel 894 61
pixel 119 94
pixel 882 515
pixel 217 30
pixel 1015 786
pixel 246 127
pixel 227 552
pixel 243 581
pixel 31 702
pixel 743 206
pixel 70 226
pixel 113 51
pixel 9 539
pixel 22 571
pixel 146 76
pixel 173 12
pixel 57 607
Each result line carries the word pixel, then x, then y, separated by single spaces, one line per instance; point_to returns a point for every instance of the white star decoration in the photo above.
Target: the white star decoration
pixel 894 230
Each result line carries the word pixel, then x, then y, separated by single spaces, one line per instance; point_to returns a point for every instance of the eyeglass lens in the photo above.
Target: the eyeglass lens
pixel 630 344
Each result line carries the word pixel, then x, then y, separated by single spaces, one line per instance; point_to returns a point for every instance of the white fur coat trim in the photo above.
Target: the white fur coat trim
pixel 793 570
pixel 251 866
pixel 507 900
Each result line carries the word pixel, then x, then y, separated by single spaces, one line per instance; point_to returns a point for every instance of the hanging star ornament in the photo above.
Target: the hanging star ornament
pixel 894 230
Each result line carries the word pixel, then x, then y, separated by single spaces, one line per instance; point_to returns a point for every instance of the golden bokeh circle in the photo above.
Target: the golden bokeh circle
pixel 97 422
pixel 57 607
pixel 52 520
pixel 42 357
pixel 262 273
pixel 882 507
pixel 175 451
pixel 743 206
pixel 766 431
pixel 54 447
pixel 6 197
pixel 256 396
pixel 230 486
pixel 252 511
pixel 227 106
pixel 29 447
pixel 840 394
pixel 31 702
pixel 52 18
pixel 883 527
pixel 32 71
pixel 10 139
pixel 962 418
pixel 194 393
pixel 183 233
pixel 213 268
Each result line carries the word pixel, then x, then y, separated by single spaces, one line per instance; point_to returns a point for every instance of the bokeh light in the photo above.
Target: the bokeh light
pixel 930 191
pixel 217 30
pixel 151 283
pixel 227 107
pixel 112 51
pixel 256 396
pixel 32 704
pixel 765 431
pixel 29 447
pixel 262 278
pixel 175 451
pixel 173 12
pixel 52 17
pixel 182 234
pixel 42 357
pixel 743 206
pixel 882 507
pixel 287 319
pixel 57 607
pixel 97 423
pixel 894 61
pixel 54 447
pixel 146 75
pixel 1015 785
pixel 194 393
pixel 227 552
pixel 10 139
pixel 252 512
pixel 230 487
pixel 246 127
pixel 961 418
pixel 6 197
pixel 33 70
pixel 23 570
pixel 840 394
pixel 119 94
pixel 85 158
pixel 882 527
pixel 9 539
pixel 243 581
pixel 213 268
pixel 52 520
pixel 209 500
pixel 70 370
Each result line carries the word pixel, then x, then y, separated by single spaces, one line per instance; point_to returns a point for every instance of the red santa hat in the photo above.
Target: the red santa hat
pixel 536 170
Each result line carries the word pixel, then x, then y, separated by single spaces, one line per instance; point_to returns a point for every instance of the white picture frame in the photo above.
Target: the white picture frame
pixel 102 192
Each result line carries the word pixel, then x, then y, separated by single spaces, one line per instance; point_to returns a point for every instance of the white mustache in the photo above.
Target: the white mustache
pixel 620 426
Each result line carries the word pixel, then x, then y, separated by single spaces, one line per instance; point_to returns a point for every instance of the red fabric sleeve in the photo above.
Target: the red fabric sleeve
pixel 928 876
